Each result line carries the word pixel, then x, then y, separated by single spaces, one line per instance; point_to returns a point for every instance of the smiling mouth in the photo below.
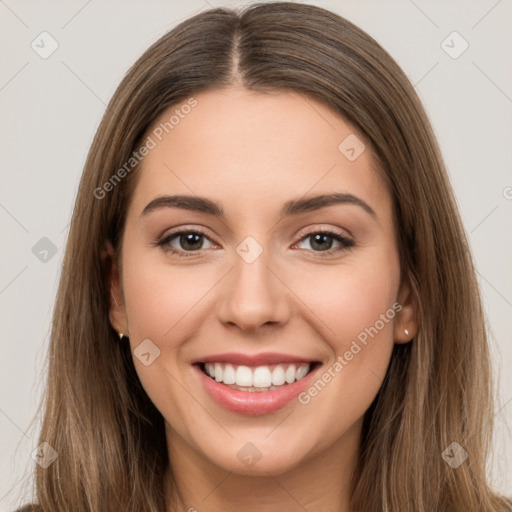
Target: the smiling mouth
pixel 259 378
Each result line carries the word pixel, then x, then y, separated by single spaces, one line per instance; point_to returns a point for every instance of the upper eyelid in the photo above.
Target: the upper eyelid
pixel 180 231
pixel 345 233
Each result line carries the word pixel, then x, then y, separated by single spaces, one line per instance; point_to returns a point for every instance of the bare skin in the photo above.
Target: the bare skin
pixel 251 153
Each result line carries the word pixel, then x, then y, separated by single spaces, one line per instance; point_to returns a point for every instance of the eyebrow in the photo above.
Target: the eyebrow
pixel 292 207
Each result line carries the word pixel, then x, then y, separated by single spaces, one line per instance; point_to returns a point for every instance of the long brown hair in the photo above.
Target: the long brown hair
pixel 108 435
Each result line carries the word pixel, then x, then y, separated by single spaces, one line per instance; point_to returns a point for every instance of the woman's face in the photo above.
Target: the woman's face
pixel 278 284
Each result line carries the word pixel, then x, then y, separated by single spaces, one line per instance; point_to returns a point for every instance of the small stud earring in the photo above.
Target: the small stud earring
pixel 406 332
pixel 121 335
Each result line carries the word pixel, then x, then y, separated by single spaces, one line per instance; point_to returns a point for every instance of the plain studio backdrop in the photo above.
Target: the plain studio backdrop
pixel 61 63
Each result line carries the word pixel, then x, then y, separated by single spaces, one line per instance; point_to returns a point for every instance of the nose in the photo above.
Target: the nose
pixel 253 295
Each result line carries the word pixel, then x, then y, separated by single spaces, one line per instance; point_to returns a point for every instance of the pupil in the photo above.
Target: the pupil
pixel 318 239
pixel 189 240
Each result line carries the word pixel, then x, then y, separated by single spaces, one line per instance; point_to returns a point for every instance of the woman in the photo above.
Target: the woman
pixel 266 301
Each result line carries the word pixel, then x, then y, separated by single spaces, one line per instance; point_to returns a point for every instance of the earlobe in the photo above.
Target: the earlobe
pixel 117 311
pixel 406 323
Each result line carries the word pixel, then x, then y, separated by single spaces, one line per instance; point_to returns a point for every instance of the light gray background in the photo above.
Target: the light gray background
pixel 51 108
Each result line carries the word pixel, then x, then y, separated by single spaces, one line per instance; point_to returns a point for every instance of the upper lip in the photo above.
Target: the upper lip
pixel 265 358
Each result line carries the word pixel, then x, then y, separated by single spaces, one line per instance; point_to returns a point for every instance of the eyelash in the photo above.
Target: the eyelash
pixel 347 244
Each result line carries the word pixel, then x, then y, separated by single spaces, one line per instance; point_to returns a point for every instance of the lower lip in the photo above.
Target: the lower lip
pixel 256 402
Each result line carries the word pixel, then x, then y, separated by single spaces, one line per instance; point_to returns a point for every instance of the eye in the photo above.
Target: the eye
pixel 322 242
pixel 188 240
pixel 183 241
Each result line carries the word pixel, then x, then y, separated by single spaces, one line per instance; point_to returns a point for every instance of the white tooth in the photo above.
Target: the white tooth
pixel 278 376
pixel 302 371
pixel 228 376
pixel 210 369
pixel 290 374
pixel 262 377
pixel 218 372
pixel 243 376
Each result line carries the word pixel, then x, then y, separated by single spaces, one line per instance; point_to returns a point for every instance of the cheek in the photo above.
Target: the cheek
pixel 160 296
pixel 162 305
pixel 351 297
pixel 355 308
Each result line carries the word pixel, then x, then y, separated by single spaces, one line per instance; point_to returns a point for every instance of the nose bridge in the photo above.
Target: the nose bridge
pixel 253 295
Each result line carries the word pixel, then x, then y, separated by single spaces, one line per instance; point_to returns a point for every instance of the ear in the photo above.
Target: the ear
pixel 117 310
pixel 407 318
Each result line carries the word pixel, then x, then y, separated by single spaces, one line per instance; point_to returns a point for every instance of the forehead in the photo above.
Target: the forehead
pixel 248 150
